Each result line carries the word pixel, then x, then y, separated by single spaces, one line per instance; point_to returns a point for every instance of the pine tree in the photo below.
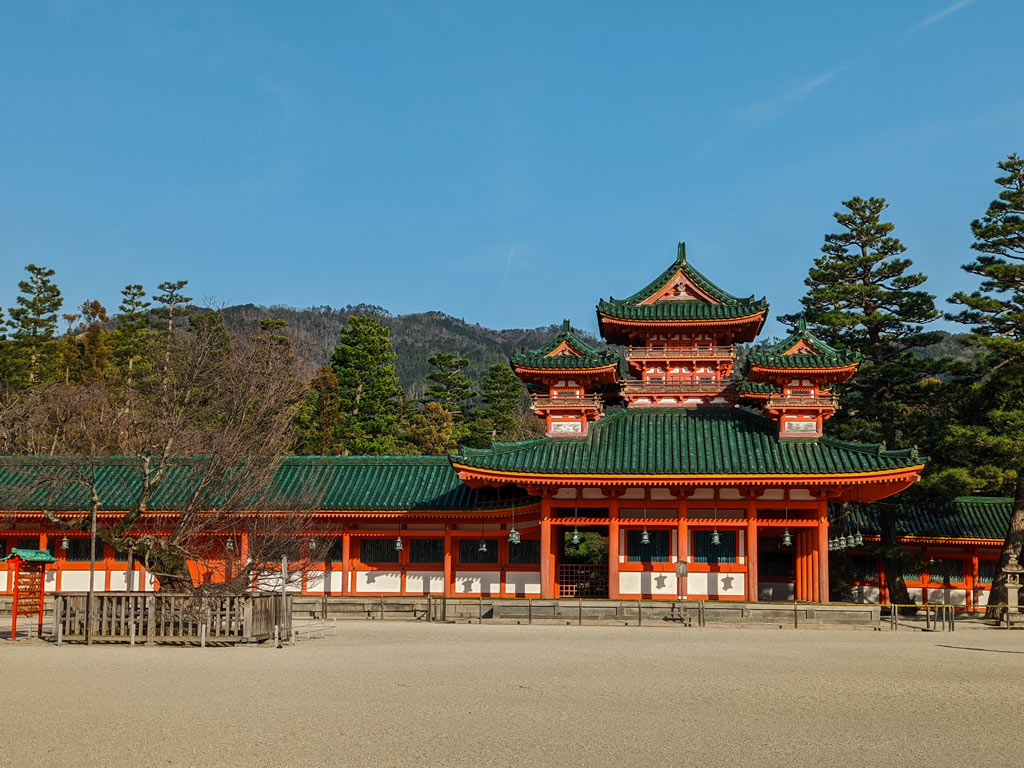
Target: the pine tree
pixel 318 421
pixel 130 340
pixel 172 304
pixel 996 313
pixel 502 391
pixel 449 385
pixel 33 324
pixel 431 431
pixel 862 297
pixel 369 396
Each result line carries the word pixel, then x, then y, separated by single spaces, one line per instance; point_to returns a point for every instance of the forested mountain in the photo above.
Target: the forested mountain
pixel 415 337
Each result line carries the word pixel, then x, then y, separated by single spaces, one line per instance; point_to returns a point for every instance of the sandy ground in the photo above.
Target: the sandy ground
pixel 399 694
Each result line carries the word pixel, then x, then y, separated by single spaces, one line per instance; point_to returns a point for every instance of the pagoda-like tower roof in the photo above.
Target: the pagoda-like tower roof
pixel 682 295
pixel 691 446
pixel 566 352
pixel 802 351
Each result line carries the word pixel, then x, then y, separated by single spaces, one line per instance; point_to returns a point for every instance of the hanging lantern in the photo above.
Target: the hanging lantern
pixel 513 536
pixel 858 540
pixel 850 541
pixel 399 546
pixel 312 545
pixel 575 537
pixel 716 539
pixel 645 538
pixel 483 545
pixel 787 539
pixel 840 543
pixel 64 543
pixel 831 545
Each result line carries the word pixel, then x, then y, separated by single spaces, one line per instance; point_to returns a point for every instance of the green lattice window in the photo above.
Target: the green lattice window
pixel 426 550
pixel 864 568
pixel 987 571
pixel 469 551
pixel 946 571
pixel 706 552
pixel 378 551
pixel 655 552
pixel 526 552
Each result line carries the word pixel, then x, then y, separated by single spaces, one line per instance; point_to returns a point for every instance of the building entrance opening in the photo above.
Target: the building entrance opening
pixel 583 562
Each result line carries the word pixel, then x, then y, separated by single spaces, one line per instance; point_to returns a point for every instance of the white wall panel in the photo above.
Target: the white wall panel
pixel 425 582
pixel 315 581
pixel 647 583
pixel 472 582
pixel 75 581
pixel 523 583
pixel 726 584
pixel 378 581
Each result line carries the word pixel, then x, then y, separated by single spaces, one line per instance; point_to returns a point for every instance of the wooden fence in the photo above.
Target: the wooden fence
pixel 128 617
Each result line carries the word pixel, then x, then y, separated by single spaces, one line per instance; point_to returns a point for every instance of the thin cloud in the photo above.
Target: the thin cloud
pixel 941 15
pixel 768 110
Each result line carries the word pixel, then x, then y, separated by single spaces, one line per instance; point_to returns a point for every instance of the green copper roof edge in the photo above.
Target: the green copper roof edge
pixel 590 356
pixel 829 356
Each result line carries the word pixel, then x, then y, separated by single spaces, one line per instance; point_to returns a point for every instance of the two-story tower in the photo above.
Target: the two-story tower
pixel 679 332
pixel 568 380
pixel 793 381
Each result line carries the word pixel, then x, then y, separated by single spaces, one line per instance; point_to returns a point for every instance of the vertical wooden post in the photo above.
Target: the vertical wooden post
pixel 613 549
pixel 547 577
pixel 284 588
pixel 449 575
pixel 346 561
pixel 683 541
pixel 973 592
pixel 751 584
pixel 822 550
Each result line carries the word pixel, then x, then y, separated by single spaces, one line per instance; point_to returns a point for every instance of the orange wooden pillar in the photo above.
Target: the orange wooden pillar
pixel 821 552
pixel 613 550
pixel 751 584
pixel 547 566
pixel 683 541
pixel 449 576
pixel 346 562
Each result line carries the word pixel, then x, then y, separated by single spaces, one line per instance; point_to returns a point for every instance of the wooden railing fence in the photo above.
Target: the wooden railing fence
pixel 155 617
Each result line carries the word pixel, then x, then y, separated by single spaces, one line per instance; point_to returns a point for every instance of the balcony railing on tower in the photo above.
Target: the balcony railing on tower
pixel 547 401
pixel 702 352
pixel 804 401
pixel 708 385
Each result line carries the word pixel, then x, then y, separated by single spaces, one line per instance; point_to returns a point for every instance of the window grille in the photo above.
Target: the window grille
pixel 336 553
pixel 911 574
pixel 706 552
pixel 946 571
pixel 378 551
pixel 526 552
pixel 426 550
pixel 655 552
pixel 776 565
pixel 469 551
pixel 864 568
pixel 78 550
pixel 987 571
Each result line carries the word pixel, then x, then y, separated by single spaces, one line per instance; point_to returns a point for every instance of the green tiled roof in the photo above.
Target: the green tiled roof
pixel 827 357
pixel 590 356
pixel 966 517
pixel 31 555
pixel 729 306
pixel 758 388
pixel 321 482
pixel 685 441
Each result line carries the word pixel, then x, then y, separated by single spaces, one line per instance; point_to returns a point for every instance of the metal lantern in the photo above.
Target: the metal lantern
pixel 64 543
pixel 483 545
pixel 787 539
pixel 858 539
pixel 850 542
pixel 645 537
pixel 229 545
pixel 831 545
pixel 716 539
pixel 312 545
pixel 399 546
pixel 513 536
pixel 575 537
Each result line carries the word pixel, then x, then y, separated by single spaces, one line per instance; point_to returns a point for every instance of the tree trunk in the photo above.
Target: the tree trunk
pixel 898 593
pixel 1011 550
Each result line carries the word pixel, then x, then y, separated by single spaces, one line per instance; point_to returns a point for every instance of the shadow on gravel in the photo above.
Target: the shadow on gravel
pixel 966 648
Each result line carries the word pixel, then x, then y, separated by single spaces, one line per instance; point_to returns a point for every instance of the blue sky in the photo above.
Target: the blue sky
pixel 505 163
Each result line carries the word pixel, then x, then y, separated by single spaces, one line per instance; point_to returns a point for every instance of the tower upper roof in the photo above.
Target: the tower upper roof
pixel 566 351
pixel 803 350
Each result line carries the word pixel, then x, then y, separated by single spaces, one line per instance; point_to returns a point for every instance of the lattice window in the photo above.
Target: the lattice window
pixel 336 553
pixel 526 552
pixel 655 552
pixel 426 550
pixel 378 551
pixel 706 552
pixel 987 571
pixel 864 568
pixel 946 571
pixel 776 565
pixel 78 550
pixel 469 551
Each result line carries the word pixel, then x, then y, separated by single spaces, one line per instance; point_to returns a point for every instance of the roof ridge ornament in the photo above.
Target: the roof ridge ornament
pixel 681 252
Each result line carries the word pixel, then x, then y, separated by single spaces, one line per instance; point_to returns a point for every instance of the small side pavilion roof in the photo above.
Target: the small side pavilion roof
pixel 802 350
pixel 566 351
pixel 30 556
pixel 965 517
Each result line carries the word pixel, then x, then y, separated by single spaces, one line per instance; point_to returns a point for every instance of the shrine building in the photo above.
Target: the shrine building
pixel 671 453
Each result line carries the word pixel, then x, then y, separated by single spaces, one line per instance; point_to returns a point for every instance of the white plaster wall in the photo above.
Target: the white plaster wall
pixel 473 582
pixel 915 594
pixel 662 494
pixel 592 493
pixel 647 583
pixel 3 580
pixel 867 594
pixel 773 494
pixel 703 493
pixel 775 591
pixel 315 581
pixel 50 582
pixel 981 597
pixel 119 581
pixel 272 582
pixel 75 581
pixel 378 581
pixel 730 584
pixel 425 582
pixel 730 493
pixel 633 493
pixel 565 493
pixel 801 494
pixel 948 596
pixel 523 582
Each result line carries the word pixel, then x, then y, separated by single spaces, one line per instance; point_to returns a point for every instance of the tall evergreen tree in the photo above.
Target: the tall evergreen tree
pixel 33 323
pixel 130 340
pixel 502 392
pixel 172 304
pixel 431 431
pixel 318 421
pixel 862 297
pixel 369 396
pixel 995 312
pixel 449 384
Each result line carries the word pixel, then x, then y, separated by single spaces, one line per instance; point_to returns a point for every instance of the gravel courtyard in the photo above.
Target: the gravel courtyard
pixel 399 694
